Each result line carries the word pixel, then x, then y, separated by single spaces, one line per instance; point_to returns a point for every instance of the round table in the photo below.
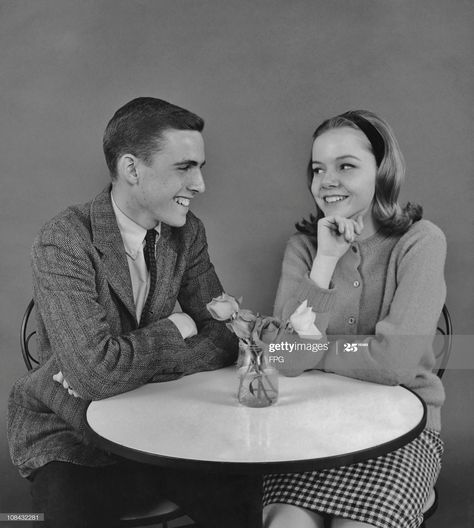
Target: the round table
pixel 320 421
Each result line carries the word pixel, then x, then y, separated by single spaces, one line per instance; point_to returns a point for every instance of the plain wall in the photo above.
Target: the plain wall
pixel 262 73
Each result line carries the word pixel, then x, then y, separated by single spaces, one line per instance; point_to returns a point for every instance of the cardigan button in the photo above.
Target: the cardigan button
pixel 356 284
pixel 351 320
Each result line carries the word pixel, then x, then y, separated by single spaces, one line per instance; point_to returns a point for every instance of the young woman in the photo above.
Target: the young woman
pixel 372 269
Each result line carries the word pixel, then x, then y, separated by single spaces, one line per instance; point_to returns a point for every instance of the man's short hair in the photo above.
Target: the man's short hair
pixel 137 128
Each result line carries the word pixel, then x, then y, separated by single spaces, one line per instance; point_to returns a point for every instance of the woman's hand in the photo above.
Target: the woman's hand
pixel 336 234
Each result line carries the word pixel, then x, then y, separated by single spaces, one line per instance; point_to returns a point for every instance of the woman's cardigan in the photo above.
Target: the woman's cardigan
pixel 386 292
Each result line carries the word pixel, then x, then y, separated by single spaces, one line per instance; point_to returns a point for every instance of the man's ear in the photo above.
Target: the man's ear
pixel 126 168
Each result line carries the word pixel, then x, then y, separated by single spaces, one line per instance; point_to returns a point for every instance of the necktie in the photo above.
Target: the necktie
pixel 150 260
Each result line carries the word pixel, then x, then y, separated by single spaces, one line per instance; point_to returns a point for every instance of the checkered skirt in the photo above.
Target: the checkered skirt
pixel 387 492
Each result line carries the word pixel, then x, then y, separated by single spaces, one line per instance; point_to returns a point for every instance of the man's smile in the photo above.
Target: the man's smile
pixel 181 200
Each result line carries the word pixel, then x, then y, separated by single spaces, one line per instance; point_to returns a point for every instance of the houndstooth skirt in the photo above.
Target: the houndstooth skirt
pixel 387 492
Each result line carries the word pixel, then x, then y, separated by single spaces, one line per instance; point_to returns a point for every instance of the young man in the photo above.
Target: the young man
pixel 107 276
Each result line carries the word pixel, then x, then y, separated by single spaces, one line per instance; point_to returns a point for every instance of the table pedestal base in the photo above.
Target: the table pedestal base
pixel 255 506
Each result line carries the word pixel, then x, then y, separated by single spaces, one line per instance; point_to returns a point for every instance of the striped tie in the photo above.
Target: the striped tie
pixel 150 260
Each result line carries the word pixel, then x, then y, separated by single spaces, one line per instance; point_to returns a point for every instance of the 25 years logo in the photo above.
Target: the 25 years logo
pixel 353 347
pixel 350 347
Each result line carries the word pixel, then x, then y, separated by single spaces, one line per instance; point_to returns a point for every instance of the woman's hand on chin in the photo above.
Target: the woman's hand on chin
pixel 336 234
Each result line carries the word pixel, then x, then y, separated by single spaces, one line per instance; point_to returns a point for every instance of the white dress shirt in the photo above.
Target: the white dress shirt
pixel 133 236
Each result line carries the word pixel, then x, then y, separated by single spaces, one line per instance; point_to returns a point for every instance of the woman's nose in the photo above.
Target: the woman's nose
pixel 329 179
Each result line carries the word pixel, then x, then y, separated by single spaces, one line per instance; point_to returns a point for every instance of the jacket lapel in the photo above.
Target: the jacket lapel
pixel 108 241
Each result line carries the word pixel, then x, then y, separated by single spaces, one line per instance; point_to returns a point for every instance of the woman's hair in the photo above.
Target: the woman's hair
pixel 392 218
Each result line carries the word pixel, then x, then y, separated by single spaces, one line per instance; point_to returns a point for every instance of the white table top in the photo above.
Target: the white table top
pixel 320 420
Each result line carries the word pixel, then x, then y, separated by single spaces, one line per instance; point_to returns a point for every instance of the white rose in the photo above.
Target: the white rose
pixel 303 322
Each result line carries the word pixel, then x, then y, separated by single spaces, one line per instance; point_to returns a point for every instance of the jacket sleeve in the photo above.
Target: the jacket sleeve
pixel 96 361
pixel 214 346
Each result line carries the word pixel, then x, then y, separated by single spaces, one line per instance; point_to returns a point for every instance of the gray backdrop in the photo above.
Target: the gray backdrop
pixel 262 73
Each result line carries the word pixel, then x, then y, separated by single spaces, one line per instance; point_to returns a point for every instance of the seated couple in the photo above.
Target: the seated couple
pixel 107 276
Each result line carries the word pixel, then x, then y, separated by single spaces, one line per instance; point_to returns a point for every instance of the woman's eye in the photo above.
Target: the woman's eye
pixel 347 166
pixel 317 170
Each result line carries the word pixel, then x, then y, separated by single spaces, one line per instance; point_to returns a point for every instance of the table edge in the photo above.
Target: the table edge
pixel 293 466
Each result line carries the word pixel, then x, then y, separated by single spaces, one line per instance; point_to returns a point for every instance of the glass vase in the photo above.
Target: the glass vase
pixel 258 382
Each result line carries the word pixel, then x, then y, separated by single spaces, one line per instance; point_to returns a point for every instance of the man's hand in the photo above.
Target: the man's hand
pixel 184 323
pixel 60 379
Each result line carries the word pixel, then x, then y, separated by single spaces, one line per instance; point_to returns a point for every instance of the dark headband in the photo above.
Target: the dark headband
pixel 373 135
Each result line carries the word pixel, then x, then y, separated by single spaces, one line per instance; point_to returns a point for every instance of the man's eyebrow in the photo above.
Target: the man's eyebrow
pixel 191 163
pixel 315 162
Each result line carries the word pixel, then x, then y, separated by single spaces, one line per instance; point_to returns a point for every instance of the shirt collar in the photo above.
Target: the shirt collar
pixel 133 234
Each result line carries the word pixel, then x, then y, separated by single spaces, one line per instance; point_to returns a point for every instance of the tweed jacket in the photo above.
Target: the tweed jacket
pixel 87 329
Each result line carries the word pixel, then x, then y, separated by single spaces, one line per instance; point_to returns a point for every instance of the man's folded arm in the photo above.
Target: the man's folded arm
pixel 214 346
pixel 95 361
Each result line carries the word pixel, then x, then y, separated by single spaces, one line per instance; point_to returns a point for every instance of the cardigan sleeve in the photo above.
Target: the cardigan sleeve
pixel 295 286
pixel 401 349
